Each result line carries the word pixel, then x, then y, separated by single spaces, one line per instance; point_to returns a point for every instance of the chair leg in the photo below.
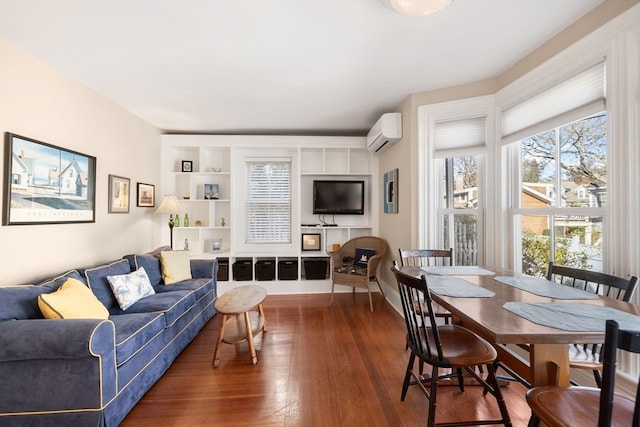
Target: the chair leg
pixel 460 379
pixel 370 300
pixel 379 286
pixel 598 378
pixel 497 393
pixel 333 285
pixel 432 397
pixel 407 377
pixel 534 421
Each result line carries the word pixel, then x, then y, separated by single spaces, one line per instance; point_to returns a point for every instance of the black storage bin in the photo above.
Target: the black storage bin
pixel 288 269
pixel 266 269
pixel 242 269
pixel 223 269
pixel 315 269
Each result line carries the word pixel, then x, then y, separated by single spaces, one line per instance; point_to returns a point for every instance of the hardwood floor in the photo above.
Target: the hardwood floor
pixel 318 365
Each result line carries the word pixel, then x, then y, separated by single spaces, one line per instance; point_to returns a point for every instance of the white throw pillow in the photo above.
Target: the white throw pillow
pixel 130 288
pixel 176 266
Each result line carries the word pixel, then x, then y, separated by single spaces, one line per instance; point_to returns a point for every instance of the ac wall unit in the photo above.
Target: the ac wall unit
pixel 386 132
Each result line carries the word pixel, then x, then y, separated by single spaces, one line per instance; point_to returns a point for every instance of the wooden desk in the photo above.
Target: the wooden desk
pixel 487 318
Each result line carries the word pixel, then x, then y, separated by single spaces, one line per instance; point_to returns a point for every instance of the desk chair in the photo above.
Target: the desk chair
pixel 587 356
pixel 447 347
pixel 581 406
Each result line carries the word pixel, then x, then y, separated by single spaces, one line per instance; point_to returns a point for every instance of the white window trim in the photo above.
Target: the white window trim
pixel 430 173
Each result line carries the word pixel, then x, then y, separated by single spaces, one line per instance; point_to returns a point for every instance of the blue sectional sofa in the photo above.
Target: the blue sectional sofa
pixel 92 372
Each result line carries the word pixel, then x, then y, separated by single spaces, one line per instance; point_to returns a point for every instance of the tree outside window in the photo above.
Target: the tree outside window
pixel 563 188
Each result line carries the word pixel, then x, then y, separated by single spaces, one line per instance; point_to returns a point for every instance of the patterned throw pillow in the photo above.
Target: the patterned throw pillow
pixel 129 288
pixel 72 300
pixel 362 257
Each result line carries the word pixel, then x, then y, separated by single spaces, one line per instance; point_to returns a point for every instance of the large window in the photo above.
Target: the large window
pixel 268 201
pixel 459 211
pixel 563 187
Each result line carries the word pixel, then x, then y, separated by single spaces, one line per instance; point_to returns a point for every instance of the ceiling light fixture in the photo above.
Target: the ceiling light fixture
pixel 417 7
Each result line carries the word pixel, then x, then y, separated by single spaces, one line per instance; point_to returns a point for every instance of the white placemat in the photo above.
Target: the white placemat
pixel 458 270
pixel 456 287
pixel 572 316
pixel 545 288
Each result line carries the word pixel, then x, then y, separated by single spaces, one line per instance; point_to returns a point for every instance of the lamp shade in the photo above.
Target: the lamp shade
pixel 170 205
pixel 417 7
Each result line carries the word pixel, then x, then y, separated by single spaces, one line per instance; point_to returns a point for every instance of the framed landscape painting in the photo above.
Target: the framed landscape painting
pixel 46 184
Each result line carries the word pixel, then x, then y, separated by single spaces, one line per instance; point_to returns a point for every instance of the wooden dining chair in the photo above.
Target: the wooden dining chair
pixel 428 258
pixel 451 348
pixel 587 356
pixel 580 406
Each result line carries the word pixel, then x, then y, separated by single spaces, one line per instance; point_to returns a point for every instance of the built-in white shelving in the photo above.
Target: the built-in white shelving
pixel 217 159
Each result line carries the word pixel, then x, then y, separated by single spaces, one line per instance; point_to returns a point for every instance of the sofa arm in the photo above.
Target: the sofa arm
pixel 56 365
pixel 204 268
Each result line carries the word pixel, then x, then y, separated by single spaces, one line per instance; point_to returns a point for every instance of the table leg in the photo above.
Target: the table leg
pixel 252 348
pixel 264 319
pixel 216 354
pixel 549 364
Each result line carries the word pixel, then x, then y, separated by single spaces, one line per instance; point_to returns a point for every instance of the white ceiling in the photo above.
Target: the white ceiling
pixel 276 66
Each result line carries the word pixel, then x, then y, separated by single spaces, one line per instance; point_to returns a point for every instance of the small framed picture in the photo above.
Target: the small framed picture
pixel 119 189
pixel 216 245
pixel 187 166
pixel 211 192
pixel 146 195
pixel 311 241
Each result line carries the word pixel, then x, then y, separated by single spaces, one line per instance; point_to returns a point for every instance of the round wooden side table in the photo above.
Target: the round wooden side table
pixel 239 321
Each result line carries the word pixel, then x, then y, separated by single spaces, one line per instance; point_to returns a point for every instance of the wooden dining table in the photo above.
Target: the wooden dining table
pixel 548 358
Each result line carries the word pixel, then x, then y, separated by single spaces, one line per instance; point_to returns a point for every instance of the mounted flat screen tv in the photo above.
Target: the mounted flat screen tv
pixel 338 197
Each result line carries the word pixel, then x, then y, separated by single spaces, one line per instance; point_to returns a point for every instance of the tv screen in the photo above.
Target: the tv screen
pixel 338 197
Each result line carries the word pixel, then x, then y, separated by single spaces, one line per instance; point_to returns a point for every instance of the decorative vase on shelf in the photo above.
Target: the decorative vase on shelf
pixel 176 222
pixel 186 220
pixel 222 222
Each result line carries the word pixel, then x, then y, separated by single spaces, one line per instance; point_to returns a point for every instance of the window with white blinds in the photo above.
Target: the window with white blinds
pixel 572 99
pixel 268 201
pixel 450 137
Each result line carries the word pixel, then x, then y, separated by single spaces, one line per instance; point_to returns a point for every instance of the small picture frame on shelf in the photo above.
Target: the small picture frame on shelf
pixel 211 191
pixel 187 166
pixel 216 245
pixel 311 241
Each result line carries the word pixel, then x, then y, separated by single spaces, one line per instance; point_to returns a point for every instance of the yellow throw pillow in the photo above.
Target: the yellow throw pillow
pixel 72 300
pixel 176 266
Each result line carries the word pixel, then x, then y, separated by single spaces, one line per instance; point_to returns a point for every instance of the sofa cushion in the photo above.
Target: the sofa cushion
pixel 134 331
pixel 176 266
pixel 150 263
pixel 129 288
pixel 198 286
pixel 21 302
pixel 73 300
pixel 173 304
pixel 97 280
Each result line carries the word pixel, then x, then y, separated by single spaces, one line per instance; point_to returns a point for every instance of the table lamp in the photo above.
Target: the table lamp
pixel 170 205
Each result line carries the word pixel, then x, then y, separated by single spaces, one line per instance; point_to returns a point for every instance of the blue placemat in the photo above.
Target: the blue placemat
pixel 572 316
pixel 545 288
pixel 456 287
pixel 458 270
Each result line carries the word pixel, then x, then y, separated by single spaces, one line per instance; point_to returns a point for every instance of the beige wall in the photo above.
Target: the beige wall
pixel 401 229
pixel 39 102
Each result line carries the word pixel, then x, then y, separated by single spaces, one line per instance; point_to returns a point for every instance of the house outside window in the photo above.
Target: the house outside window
pixel 459 211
